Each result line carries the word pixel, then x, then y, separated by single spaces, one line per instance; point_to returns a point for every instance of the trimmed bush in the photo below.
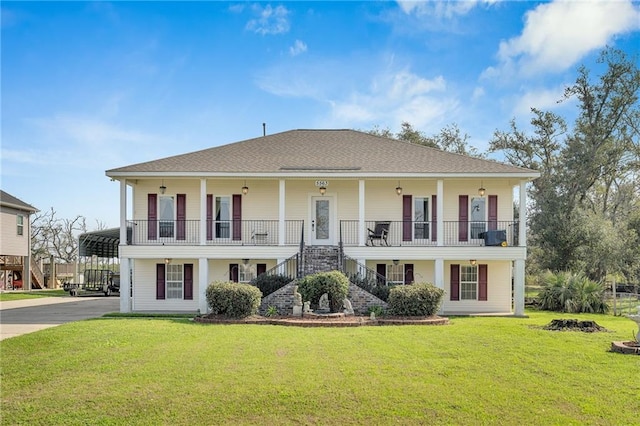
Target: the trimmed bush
pixel 573 293
pixel 270 283
pixel 334 283
pixel 421 299
pixel 233 300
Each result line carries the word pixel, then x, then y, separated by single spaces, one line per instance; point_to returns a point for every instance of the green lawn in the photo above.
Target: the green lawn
pixel 175 372
pixel 34 294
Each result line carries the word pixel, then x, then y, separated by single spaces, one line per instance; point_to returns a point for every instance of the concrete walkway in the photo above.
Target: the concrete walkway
pixel 19 317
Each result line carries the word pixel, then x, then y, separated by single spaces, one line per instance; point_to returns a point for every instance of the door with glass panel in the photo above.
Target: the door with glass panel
pixel 322 226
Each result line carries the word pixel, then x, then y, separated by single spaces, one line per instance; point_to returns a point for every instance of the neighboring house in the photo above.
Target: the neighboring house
pixel 234 211
pixel 15 243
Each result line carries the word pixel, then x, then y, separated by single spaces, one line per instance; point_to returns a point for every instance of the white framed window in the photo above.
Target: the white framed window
pixel 174 281
pixel 421 218
pixel 20 224
pixel 468 282
pixel 166 208
pixel 395 274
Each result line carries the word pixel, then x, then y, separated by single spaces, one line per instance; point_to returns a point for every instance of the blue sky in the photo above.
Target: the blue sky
pixel 87 87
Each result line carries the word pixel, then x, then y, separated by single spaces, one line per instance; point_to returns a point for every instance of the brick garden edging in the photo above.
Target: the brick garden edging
pixel 350 321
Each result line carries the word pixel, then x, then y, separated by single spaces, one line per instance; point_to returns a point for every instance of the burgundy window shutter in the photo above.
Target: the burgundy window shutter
pixel 434 218
pixel 181 215
pixel 237 217
pixel 408 273
pixel 160 281
pixel 261 268
pixel 482 282
pixel 233 272
pixel 188 281
pixel 455 282
pixel 209 217
pixel 493 212
pixel 152 216
pixel 407 217
pixel 463 218
pixel 381 269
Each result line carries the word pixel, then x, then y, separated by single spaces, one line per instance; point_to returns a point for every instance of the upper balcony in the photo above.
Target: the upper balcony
pixel 292 232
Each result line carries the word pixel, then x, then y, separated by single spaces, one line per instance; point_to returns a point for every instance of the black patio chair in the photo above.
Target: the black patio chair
pixel 379 232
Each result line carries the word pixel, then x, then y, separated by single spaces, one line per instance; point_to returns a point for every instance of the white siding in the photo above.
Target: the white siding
pixel 144 289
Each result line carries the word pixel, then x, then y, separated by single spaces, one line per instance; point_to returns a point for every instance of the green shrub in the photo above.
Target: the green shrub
pixel 421 299
pixel 574 293
pixel 334 283
pixel 378 310
pixel 382 291
pixel 270 283
pixel 233 300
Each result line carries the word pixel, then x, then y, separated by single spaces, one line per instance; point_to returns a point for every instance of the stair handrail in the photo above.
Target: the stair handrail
pixel 36 272
pixel 361 275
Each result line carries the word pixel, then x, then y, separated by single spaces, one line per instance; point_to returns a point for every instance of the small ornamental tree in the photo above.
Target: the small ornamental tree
pixel 421 299
pixel 334 283
pixel 233 300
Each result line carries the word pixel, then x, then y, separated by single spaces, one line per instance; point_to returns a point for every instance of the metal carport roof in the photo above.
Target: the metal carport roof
pixel 102 243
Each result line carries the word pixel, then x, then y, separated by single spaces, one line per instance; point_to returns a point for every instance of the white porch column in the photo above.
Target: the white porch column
pixel 440 210
pixel 203 282
pixel 361 212
pixel 518 287
pixel 522 226
pixel 281 213
pixel 203 212
pixel 125 285
pixel 439 276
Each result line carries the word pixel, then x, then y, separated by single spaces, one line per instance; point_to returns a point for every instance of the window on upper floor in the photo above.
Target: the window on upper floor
pixel 20 224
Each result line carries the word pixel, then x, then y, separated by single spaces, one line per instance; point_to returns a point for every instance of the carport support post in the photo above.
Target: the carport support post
pixel 125 286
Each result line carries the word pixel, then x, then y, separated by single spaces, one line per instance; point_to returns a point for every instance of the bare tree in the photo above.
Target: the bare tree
pixel 57 237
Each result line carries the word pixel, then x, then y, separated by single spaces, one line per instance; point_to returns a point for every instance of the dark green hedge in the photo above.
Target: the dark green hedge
pixel 334 283
pixel 270 283
pixel 233 300
pixel 421 299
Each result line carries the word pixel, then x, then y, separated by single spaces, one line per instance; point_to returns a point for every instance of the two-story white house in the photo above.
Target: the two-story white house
pixel 15 243
pixel 403 212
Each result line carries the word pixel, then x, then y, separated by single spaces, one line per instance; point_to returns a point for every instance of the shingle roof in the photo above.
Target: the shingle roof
pixel 9 200
pixel 327 151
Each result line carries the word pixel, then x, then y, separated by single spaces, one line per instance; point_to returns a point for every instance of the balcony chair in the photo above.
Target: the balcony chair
pixel 379 232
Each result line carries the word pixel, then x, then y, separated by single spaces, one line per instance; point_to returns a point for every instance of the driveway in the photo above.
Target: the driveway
pixel 19 317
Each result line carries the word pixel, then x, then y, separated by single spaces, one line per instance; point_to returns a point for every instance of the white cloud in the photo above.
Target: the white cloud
pixel 298 48
pixel 557 35
pixel 439 8
pixel 542 99
pixel 269 20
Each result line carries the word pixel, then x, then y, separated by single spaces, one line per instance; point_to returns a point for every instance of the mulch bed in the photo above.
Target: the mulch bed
pixel 328 321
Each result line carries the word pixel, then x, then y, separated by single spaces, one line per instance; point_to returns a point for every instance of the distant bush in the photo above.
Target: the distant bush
pixel 421 299
pixel 334 283
pixel 574 293
pixel 270 283
pixel 233 300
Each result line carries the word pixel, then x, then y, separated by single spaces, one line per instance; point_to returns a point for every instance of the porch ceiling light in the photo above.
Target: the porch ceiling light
pixel 245 261
pixel 396 261
pixel 472 261
pixel 399 189
pixel 245 188
pixel 163 188
pixel 323 190
pixel 167 260
pixel 481 190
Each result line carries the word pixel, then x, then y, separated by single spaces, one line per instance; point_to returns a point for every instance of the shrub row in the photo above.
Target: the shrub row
pixel 233 300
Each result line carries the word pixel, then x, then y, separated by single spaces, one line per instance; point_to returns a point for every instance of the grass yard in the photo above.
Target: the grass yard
pixel 176 372
pixel 33 294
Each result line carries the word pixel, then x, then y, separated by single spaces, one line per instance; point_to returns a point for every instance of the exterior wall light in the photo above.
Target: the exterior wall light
pixel 399 189
pixel 481 190
pixel 472 262
pixel 163 188
pixel 323 190
pixel 245 188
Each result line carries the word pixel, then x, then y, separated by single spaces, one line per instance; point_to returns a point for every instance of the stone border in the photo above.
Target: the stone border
pixel 625 348
pixel 326 322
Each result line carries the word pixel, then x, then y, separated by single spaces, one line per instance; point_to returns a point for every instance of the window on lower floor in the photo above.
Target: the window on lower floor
pixel 468 282
pixel 395 274
pixel 174 281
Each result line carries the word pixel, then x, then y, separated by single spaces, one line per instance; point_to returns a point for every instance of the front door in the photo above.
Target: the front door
pixel 322 227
